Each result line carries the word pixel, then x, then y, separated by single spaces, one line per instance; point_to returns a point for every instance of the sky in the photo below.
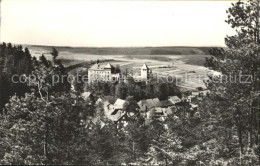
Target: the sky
pixel 115 23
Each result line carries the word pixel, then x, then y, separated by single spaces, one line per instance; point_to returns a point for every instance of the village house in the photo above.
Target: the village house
pixel 191 98
pixel 195 94
pixel 193 107
pixel 195 98
pixel 174 99
pixel 115 111
pixel 92 122
pixel 166 104
pixel 159 113
pixel 146 105
pixel 88 98
pixel 204 93
pixel 156 108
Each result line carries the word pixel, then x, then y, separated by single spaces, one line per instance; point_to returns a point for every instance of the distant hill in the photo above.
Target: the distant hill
pixel 128 50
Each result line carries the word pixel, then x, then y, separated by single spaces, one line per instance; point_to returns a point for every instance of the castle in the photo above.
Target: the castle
pixel 101 73
pixel 104 73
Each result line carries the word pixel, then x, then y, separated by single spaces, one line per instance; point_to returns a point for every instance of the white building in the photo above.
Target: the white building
pixel 101 73
pixel 141 73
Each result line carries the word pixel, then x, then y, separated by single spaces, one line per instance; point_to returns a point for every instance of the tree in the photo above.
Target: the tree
pixel 121 90
pixel 13 61
pixel 239 61
pixel 138 93
pixel 116 69
pixel 136 138
pixel 149 89
pixel 44 61
pixel 54 54
pixel 131 105
pixel 78 81
pixel 112 88
pixel 35 130
pixel 161 90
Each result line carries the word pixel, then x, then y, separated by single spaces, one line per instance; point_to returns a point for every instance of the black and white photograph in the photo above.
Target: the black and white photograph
pixel 130 82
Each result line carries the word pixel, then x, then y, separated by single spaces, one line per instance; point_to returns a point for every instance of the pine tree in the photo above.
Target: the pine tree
pixel 54 54
pixel 238 87
pixel 44 61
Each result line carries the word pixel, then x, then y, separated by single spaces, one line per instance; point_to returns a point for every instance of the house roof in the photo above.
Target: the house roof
pixel 156 102
pixel 117 116
pixel 174 99
pixel 166 103
pixel 150 103
pixel 86 95
pixel 194 99
pixel 119 104
pixel 205 92
pixel 159 110
pixel 193 105
pixel 141 102
pixel 163 111
pixel 169 111
pixel 195 93
pixel 141 105
pixel 94 121
pixel 74 96
pixel 113 114
pixel 99 122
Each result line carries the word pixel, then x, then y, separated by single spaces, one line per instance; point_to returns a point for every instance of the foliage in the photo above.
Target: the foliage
pixel 13 61
pixel 237 88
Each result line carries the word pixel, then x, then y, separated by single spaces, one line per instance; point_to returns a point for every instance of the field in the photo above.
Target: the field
pixel 190 75
pixel 183 63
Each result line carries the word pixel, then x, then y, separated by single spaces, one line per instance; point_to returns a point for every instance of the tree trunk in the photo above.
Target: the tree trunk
pixel 250 139
pixel 257 88
pixel 134 150
pixel 239 131
pixel 46 135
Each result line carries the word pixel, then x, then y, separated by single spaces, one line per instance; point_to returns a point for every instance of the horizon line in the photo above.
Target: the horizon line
pixel 59 46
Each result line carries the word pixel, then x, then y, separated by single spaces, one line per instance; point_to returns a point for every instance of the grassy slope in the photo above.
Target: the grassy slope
pixel 190 55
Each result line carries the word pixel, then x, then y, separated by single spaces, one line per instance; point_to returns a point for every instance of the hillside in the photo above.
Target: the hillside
pixel 128 50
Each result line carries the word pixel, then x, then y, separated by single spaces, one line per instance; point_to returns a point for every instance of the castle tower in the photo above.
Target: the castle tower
pixel 144 71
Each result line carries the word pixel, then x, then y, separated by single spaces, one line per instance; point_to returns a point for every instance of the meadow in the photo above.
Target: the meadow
pixel 184 63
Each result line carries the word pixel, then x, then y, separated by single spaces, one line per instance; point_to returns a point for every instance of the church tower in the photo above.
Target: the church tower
pixel 145 72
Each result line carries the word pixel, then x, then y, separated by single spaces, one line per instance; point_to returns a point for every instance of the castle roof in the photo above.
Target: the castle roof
pixel 144 66
pixel 95 66
pixel 108 66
